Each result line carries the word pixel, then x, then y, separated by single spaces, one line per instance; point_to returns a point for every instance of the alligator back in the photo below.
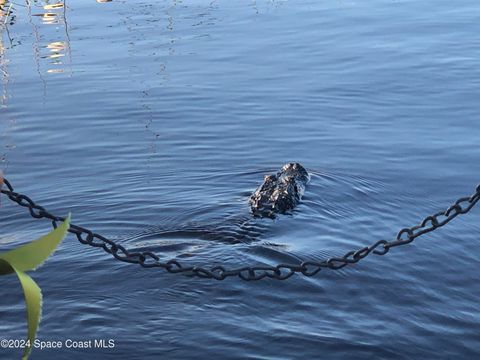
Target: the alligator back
pixel 280 192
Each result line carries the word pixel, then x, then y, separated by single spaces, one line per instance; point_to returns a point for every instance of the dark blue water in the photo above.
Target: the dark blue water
pixel 147 119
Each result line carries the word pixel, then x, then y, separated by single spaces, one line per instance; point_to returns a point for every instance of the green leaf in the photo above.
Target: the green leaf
pixel 32 255
pixel 29 257
pixel 33 300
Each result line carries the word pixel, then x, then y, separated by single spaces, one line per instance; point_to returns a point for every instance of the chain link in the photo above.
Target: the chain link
pixel 149 259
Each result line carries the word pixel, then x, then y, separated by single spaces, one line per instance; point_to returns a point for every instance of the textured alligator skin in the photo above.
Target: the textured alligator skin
pixel 280 192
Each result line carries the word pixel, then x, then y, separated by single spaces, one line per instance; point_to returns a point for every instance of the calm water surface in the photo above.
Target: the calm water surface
pixel 152 121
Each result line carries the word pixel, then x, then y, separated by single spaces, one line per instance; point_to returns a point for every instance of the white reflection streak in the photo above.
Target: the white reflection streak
pixel 36 49
pixel 3 60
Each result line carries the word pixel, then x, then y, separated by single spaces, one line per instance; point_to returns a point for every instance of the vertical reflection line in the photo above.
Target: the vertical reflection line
pixel 171 27
pixel 5 22
pixel 146 121
pixel 7 122
pixel 36 50
pixel 5 79
pixel 67 36
pixel 255 7
pixel 3 60
pixel 4 74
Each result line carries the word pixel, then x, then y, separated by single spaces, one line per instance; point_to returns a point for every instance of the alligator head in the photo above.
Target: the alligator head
pixel 280 192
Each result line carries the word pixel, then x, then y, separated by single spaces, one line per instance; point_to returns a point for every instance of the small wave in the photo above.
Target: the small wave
pixel 209 228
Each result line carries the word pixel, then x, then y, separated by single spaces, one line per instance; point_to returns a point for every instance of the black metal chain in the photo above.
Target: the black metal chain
pixel 148 259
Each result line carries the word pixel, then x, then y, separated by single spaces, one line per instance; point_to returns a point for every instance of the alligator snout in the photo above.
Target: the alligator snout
pixel 280 192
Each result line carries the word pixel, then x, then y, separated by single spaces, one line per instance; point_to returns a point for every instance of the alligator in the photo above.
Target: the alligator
pixel 280 192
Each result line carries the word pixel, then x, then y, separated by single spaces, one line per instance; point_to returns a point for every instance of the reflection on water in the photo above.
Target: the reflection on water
pixel 51 16
pixel 53 6
pixel 51 47
pixel 7 18
pixel 5 13
pixel 55 49
pixel 161 49
pixel 50 44
pixel 48 18
pixel 3 74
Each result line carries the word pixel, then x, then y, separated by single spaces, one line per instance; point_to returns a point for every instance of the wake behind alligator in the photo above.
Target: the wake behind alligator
pixel 279 193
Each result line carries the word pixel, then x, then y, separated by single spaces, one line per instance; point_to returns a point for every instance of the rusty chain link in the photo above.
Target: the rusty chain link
pixel 148 259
